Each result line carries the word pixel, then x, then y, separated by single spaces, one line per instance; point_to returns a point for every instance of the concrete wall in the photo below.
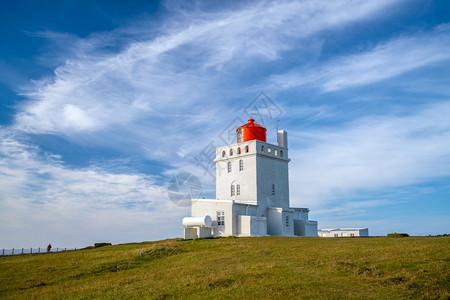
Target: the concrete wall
pixel 287 223
pixel 258 226
pixel 251 226
pixel 246 178
pixel 204 232
pixel 232 211
pixel 364 232
pixel 272 171
pixel 274 226
pixel 261 170
pixel 201 207
pixel 244 226
pixel 301 213
pixel 299 227
pixel 311 228
pixel 190 233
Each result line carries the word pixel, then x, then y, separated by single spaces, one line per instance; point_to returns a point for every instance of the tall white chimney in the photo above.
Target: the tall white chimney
pixel 282 138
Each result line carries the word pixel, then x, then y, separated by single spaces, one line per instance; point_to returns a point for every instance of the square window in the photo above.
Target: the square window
pixel 220 218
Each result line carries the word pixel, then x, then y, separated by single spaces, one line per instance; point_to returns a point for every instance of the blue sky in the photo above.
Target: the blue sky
pixel 103 102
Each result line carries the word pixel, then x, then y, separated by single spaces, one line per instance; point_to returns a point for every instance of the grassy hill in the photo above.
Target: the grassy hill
pixel 264 267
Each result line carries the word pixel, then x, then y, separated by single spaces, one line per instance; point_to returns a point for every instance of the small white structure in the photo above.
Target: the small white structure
pixel 343 232
pixel 197 227
pixel 252 191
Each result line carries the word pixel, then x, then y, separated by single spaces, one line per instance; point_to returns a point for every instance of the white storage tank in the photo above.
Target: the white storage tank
pixel 201 221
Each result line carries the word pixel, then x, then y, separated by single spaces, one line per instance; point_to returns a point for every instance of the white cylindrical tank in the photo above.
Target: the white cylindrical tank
pixel 202 221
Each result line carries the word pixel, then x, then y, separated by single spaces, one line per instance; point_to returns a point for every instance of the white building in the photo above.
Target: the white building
pixel 252 192
pixel 344 232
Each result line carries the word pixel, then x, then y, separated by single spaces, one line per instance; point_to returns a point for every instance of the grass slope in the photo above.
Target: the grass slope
pixel 264 267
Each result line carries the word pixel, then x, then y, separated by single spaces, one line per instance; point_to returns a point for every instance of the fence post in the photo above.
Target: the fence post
pixel 39 250
pixel 12 251
pixel 31 250
pixel 3 252
pixel 22 250
pixel 56 249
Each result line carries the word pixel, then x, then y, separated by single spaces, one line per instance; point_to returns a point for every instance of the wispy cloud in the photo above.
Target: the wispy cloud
pixel 39 193
pixel 163 90
pixel 387 60
pixel 179 71
pixel 371 153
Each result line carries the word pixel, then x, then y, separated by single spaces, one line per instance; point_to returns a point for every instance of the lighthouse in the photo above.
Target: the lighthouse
pixel 252 191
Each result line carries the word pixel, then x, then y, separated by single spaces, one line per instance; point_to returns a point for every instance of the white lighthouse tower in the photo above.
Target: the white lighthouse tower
pixel 252 191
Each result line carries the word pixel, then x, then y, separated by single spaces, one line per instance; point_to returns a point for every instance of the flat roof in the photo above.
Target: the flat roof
pixel 343 229
pixel 224 201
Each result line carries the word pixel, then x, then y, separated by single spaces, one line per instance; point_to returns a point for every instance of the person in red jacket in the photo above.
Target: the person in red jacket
pixel 49 247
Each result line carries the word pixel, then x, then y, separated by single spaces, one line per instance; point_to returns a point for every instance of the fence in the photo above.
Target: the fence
pixel 15 251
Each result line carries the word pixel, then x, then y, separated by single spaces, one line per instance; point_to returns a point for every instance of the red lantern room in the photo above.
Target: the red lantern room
pixel 251 131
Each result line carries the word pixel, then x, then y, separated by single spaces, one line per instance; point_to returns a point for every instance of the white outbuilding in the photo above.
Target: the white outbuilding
pixel 252 191
pixel 344 232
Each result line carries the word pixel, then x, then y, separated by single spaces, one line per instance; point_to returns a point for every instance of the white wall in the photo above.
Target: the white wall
pixel 274 226
pixel 244 225
pixel 245 178
pixel 272 170
pixel 258 226
pixel 202 207
pixel 190 233
pixel 344 232
pixel 301 213
pixel 261 170
pixel 311 228
pixel 287 227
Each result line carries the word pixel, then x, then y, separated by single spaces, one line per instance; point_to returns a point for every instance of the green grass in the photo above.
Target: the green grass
pixel 264 267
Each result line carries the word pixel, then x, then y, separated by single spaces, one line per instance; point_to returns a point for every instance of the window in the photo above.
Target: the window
pixel 336 235
pixel 239 136
pixel 232 190
pixel 269 150
pixel 229 166
pixel 275 151
pixel 220 218
pixel 241 165
pixel 231 152
pixel 246 149
pixel 281 153
pixel 273 189
pixel 238 189
pixel 239 150
pixel 262 148
pixel 352 234
pixel 287 221
pixel 223 153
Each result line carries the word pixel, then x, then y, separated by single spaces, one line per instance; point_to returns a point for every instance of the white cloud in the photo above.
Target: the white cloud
pixel 178 70
pixel 166 94
pixel 386 60
pixel 41 197
pixel 370 154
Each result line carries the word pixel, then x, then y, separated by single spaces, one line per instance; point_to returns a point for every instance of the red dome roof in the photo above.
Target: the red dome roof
pixel 251 131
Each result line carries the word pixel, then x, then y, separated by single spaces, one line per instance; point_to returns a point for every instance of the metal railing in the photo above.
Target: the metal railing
pixel 16 251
